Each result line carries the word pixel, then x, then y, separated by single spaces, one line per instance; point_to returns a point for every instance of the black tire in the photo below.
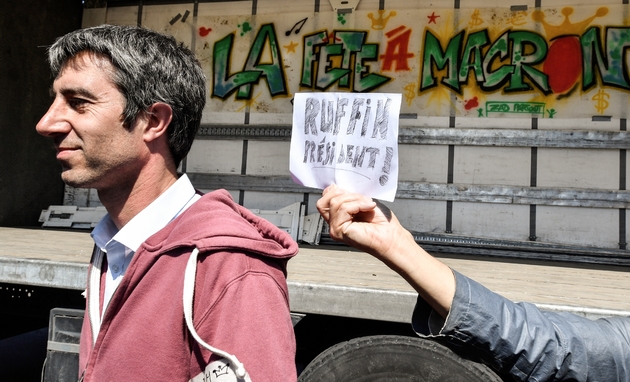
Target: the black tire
pixel 393 358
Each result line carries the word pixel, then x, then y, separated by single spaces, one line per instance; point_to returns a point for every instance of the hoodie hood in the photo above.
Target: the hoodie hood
pixel 233 227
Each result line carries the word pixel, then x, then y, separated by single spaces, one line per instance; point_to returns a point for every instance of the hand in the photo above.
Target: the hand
pixel 361 222
pixel 370 226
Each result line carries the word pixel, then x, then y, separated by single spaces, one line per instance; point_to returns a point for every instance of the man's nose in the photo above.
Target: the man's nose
pixel 54 121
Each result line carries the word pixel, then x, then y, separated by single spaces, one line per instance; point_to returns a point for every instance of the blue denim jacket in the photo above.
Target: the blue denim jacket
pixel 523 343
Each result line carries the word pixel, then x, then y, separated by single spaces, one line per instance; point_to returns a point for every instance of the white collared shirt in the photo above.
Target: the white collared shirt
pixel 120 246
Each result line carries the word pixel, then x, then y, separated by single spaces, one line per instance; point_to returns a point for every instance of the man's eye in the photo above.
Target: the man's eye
pixel 76 103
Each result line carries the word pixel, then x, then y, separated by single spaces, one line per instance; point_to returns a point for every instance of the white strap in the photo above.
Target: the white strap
pixel 189 292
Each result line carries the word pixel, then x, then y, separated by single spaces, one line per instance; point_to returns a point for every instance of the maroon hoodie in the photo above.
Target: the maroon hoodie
pixel 240 306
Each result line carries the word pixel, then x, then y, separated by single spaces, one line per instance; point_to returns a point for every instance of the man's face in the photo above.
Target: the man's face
pixel 86 124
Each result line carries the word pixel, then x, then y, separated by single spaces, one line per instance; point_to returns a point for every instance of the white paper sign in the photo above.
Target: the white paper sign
pixel 350 139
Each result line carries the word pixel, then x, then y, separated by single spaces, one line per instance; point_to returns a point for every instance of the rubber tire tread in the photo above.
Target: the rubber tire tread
pixel 393 359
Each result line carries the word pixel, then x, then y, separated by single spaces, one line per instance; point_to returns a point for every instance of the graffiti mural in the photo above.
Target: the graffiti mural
pixel 562 62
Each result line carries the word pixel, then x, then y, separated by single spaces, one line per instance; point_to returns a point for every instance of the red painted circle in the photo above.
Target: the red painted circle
pixel 563 64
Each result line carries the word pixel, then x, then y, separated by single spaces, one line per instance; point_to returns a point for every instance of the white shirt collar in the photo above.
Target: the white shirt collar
pixel 151 219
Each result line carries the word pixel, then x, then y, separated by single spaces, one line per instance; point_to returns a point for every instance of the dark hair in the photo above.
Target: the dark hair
pixel 149 67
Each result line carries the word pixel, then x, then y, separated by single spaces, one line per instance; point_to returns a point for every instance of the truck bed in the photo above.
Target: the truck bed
pixel 337 280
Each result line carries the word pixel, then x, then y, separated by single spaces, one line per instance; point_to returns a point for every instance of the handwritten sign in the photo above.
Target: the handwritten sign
pixel 350 139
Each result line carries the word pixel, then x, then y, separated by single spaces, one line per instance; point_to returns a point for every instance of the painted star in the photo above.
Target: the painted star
pixel 432 17
pixel 291 47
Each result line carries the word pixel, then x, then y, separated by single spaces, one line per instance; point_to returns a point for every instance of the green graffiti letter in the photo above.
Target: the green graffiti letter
pixel 473 57
pixel 223 83
pixel 325 76
pixel 364 81
pixel 611 66
pixel 448 59
pixel 309 60
pixel 523 63
pixel 352 43
pixel 271 71
pixel 318 51
pixel 495 79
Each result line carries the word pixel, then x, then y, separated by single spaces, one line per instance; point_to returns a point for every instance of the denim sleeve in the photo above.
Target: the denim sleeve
pixel 520 341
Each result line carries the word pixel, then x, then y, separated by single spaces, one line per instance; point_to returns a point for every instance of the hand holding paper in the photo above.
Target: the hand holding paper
pixel 348 139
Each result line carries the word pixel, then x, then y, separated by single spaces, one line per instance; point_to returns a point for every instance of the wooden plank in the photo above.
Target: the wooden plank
pixel 568 197
pixel 576 285
pixel 247 183
pixel 516 138
pixel 338 280
pixel 61 245
pixel 447 136
pixel 552 284
pixel 45 257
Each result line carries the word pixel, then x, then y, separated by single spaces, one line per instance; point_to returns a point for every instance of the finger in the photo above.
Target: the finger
pixel 329 189
pixel 351 203
pixel 323 204
pixel 344 210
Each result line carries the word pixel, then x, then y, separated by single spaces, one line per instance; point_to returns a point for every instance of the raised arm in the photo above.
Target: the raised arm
pixel 359 221
pixel 516 339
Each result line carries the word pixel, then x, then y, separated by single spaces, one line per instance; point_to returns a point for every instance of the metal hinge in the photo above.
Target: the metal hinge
pixel 312 228
pixel 71 216
pixel 344 6
pixel 287 218
pixel 292 220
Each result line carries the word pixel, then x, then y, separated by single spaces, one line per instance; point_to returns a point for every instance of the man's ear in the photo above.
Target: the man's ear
pixel 158 117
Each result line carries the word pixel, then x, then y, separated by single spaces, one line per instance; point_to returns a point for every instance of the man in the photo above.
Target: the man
pixel 519 341
pixel 181 286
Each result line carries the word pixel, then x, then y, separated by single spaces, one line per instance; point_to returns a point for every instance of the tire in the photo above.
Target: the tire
pixel 393 358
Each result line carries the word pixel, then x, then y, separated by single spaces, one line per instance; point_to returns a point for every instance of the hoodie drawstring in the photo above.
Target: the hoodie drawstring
pixel 189 292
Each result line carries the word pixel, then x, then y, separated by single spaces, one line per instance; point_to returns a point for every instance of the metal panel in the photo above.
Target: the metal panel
pixel 420 215
pixel 422 163
pixel 578 226
pixel 448 136
pixel 268 158
pixel 483 220
pixel 578 168
pixel 320 280
pixel 215 156
pixel 43 273
pixel 507 166
pixel 317 298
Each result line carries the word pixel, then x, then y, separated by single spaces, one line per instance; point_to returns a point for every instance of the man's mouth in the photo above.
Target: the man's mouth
pixel 65 152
